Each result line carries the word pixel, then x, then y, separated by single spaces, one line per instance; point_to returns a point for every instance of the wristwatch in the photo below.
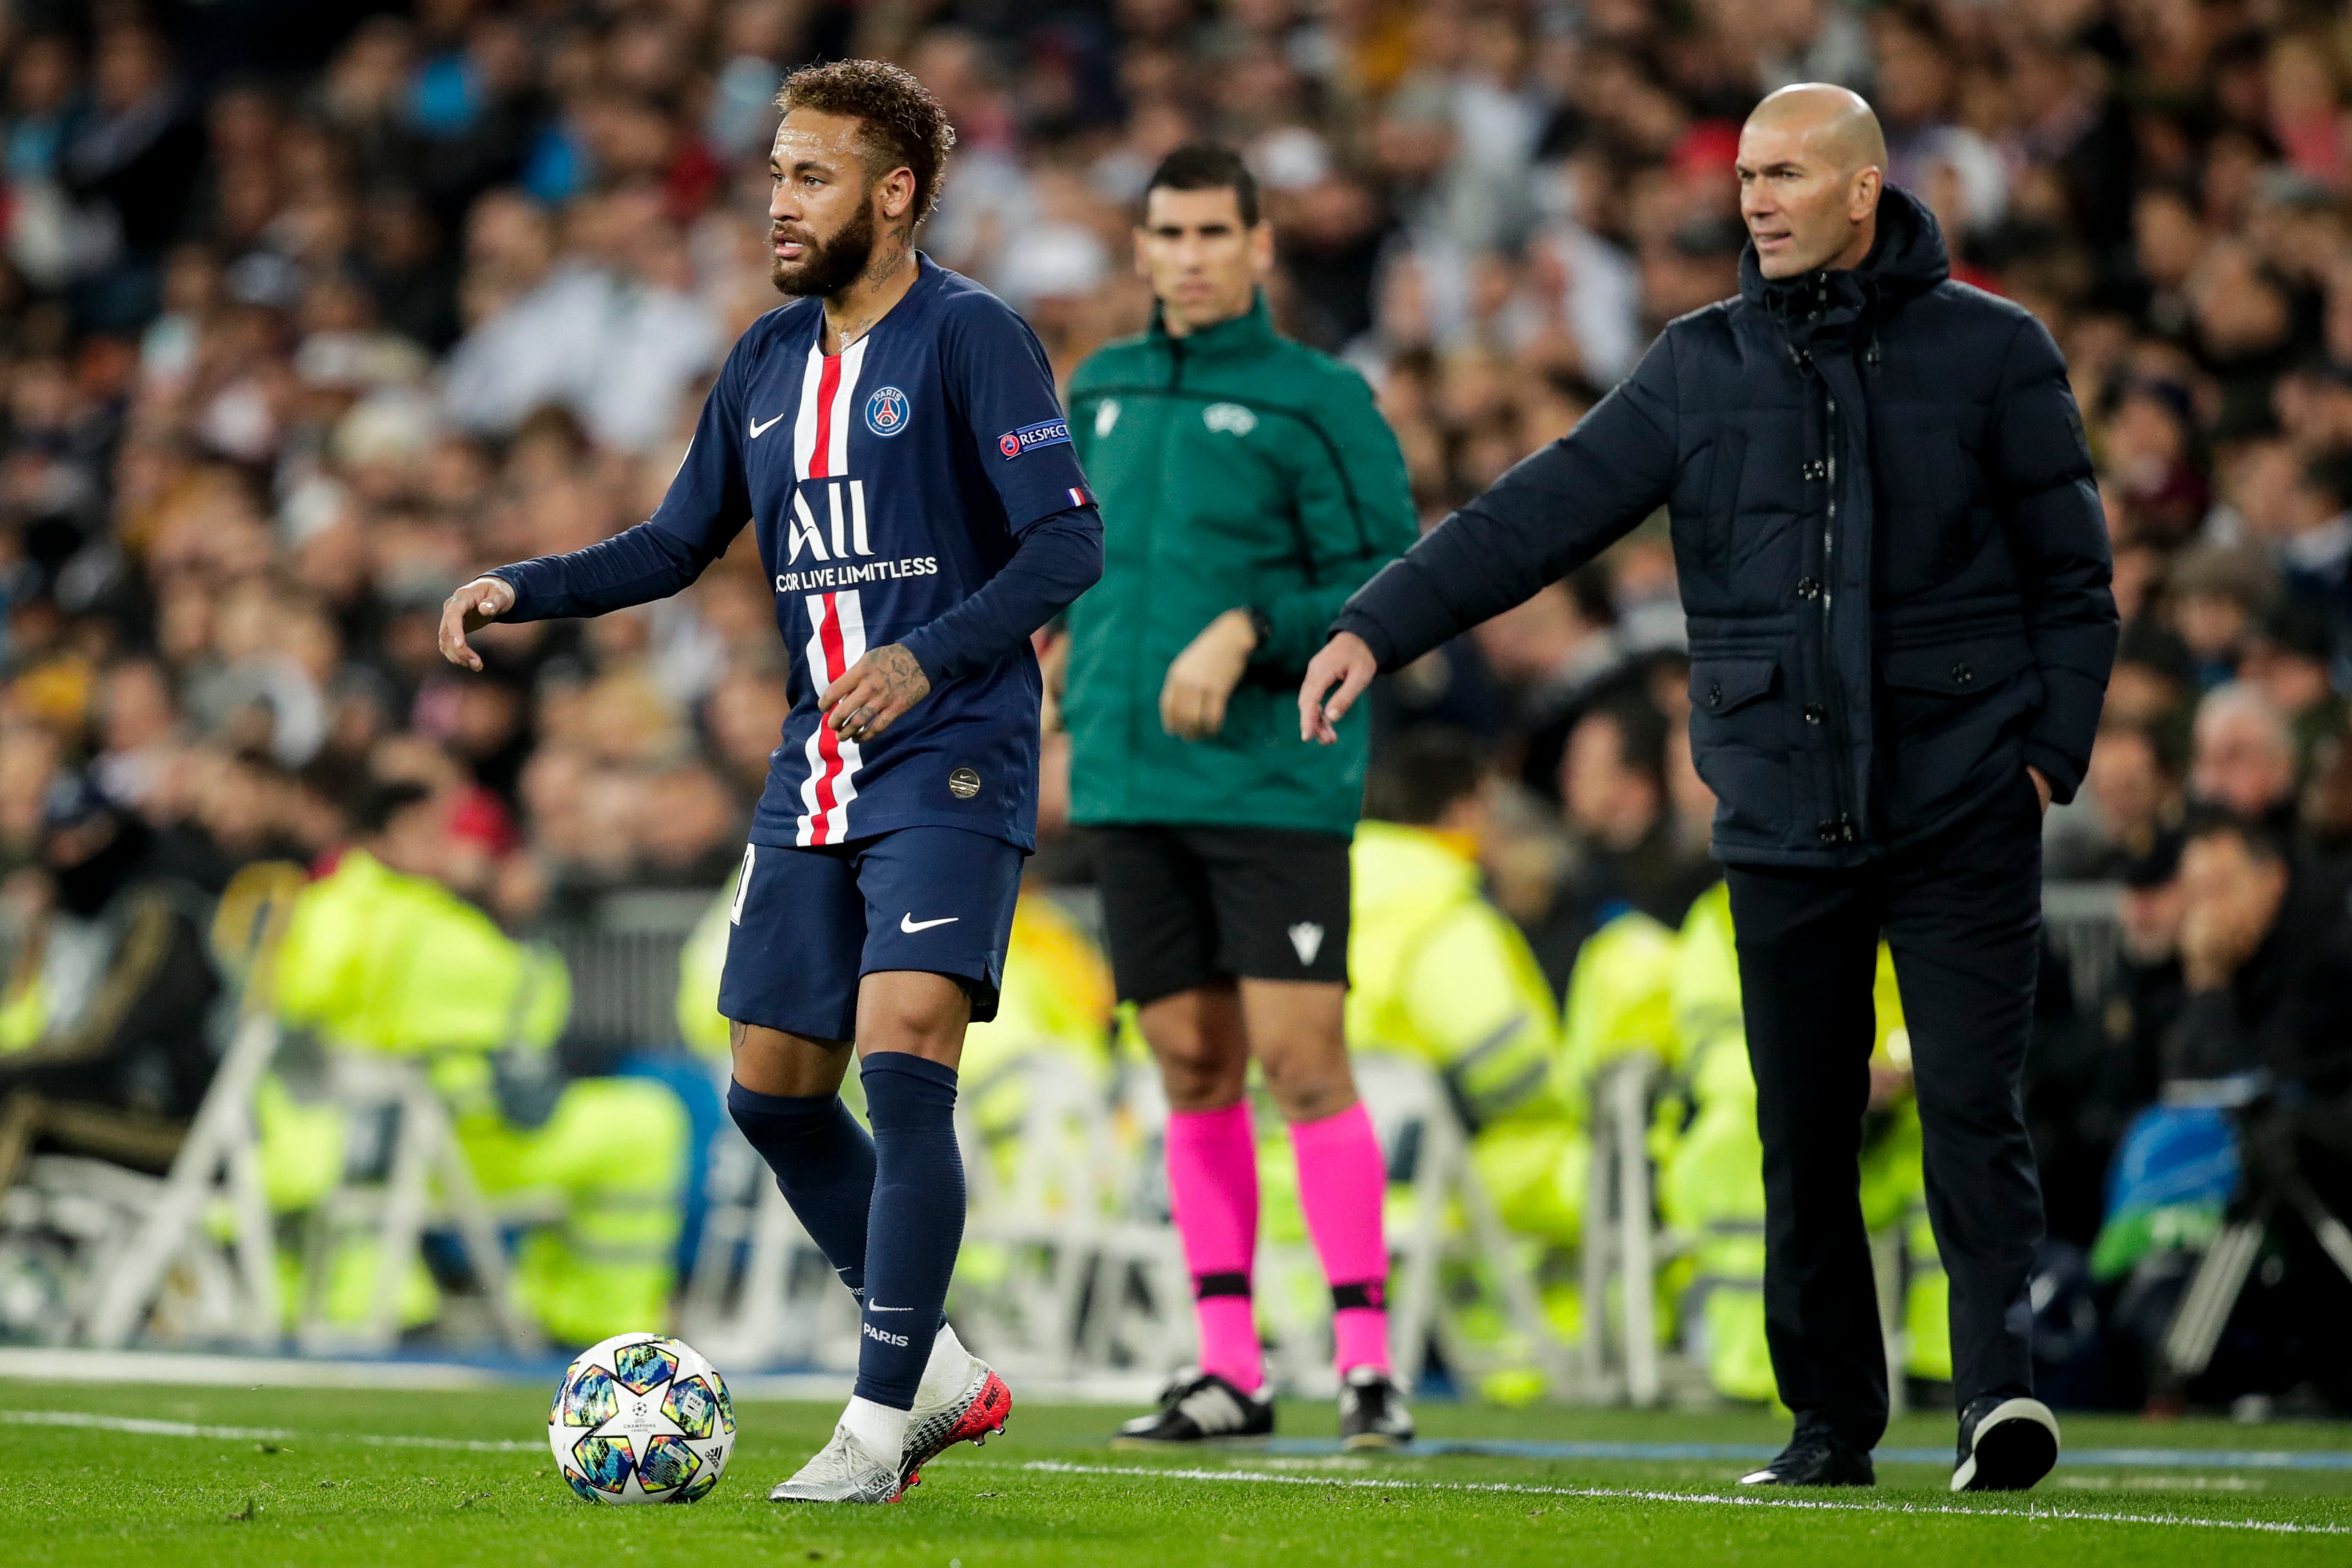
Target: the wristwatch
pixel 1261 627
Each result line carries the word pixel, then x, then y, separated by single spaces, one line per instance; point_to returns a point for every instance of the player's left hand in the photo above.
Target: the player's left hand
pixel 1201 682
pixel 874 691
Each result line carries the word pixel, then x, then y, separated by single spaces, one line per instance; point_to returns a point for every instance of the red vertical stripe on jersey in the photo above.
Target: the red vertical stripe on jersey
pixel 828 386
pixel 828 740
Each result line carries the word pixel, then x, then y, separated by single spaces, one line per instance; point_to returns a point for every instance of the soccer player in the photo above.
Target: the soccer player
pixel 1251 485
pixel 894 438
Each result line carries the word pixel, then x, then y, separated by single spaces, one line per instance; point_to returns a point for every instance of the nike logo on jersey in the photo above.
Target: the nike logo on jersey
pixel 759 430
pixel 909 925
pixel 878 1307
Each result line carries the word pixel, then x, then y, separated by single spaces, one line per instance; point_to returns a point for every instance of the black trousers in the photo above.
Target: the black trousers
pixel 1963 914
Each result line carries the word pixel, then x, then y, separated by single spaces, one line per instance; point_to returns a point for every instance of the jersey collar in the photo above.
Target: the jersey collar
pixel 1250 331
pixel 927 274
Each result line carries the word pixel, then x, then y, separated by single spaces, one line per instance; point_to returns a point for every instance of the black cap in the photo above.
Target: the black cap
pixel 73 799
pixel 2148 641
pixel 2159 866
pixel 2296 625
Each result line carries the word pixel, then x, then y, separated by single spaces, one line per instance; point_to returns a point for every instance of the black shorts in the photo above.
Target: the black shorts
pixel 1186 906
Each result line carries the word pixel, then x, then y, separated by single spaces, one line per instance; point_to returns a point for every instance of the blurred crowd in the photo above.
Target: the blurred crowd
pixel 306 317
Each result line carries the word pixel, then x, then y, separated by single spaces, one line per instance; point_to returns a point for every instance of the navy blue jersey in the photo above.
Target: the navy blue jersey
pixel 887 484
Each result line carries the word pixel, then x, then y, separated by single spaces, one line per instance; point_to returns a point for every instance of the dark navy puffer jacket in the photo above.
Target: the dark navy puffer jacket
pixel 1891 551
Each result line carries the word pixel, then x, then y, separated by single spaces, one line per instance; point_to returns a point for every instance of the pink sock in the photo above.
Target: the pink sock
pixel 1213 1187
pixel 1341 1182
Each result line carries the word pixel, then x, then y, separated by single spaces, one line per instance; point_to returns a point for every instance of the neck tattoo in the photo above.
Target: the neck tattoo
pixel 888 257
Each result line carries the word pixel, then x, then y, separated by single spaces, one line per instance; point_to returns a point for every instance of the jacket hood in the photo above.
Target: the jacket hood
pixel 1907 257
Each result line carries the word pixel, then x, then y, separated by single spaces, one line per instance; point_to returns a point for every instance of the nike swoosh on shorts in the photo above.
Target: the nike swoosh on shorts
pixel 909 925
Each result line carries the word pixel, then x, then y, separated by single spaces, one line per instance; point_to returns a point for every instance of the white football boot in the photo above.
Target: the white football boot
pixel 845 1470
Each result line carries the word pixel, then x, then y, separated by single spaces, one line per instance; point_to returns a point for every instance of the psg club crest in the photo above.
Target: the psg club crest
pixel 886 410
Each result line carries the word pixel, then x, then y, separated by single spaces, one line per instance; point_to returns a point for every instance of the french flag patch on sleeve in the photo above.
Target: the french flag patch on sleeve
pixel 1029 437
pixel 1081 497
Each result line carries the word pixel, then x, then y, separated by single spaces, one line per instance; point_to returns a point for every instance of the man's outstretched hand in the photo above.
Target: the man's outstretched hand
pixel 872 691
pixel 470 609
pixel 1346 661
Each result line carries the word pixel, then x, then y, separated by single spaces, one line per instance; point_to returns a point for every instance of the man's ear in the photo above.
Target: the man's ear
pixel 1261 245
pixel 1869 184
pixel 898 192
pixel 1142 258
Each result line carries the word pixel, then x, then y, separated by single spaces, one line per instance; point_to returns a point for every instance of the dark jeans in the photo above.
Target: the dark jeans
pixel 1963 914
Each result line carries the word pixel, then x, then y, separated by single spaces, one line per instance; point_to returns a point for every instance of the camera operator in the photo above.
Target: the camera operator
pixel 2256 1107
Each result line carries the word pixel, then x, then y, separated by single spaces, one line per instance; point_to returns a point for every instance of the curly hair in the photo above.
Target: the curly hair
pixel 901 124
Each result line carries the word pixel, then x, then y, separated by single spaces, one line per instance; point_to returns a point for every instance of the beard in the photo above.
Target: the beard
pixel 828 266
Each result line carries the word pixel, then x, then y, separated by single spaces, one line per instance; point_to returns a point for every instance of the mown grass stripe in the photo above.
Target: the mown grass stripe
pixel 2033 1512
pixel 143 1427
pixel 1742 1453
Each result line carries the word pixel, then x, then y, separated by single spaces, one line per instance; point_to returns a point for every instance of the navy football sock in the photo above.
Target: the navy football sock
pixel 917 1223
pixel 824 1162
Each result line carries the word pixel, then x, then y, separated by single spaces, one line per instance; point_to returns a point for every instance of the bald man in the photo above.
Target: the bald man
pixel 1894 573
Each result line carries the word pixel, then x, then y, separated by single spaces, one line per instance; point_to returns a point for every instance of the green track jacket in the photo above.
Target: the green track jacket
pixel 1235 470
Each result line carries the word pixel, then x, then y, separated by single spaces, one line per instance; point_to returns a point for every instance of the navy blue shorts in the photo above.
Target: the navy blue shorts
pixel 809 923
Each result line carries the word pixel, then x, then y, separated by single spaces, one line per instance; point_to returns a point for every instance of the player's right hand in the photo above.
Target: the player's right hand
pixel 1201 680
pixel 1346 661
pixel 470 609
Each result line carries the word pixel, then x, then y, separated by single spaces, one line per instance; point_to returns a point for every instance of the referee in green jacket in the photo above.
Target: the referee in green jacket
pixel 1248 486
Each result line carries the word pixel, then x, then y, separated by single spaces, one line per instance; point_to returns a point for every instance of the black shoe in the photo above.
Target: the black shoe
pixel 1199 1407
pixel 2007 1444
pixel 1372 1414
pixel 1815 1459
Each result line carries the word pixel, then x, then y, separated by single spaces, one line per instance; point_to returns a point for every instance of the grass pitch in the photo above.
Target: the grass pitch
pixel 317 1478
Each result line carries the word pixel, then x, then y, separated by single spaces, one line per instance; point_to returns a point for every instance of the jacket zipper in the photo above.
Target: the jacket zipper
pixel 1136 738
pixel 1843 829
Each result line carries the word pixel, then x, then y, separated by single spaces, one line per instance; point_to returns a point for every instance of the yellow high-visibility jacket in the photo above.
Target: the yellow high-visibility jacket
pixel 1437 972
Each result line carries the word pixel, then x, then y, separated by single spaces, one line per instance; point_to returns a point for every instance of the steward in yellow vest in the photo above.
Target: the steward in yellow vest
pixel 1712 1186
pixel 386 960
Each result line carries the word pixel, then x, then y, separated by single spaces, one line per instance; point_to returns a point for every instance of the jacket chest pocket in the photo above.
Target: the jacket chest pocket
pixel 1710 492
pixel 1923 483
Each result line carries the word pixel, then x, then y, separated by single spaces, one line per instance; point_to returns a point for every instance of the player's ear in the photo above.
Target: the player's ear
pixel 1142 253
pixel 897 193
pixel 1261 247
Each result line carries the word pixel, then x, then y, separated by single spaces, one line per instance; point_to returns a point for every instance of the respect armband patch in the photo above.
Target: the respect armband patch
pixel 1029 437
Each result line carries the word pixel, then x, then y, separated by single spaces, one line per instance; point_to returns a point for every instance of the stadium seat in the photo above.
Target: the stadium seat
pixel 219 1164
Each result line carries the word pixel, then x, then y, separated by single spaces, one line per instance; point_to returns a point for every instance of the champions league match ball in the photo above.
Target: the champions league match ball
pixel 641 1418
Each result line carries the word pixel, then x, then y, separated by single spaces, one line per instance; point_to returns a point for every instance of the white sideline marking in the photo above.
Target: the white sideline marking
pixel 146 1428
pixel 47 1364
pixel 1631 1494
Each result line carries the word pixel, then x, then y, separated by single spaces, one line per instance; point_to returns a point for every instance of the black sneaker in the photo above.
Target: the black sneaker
pixel 2007 1444
pixel 1372 1414
pixel 1815 1459
pixel 1199 1407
